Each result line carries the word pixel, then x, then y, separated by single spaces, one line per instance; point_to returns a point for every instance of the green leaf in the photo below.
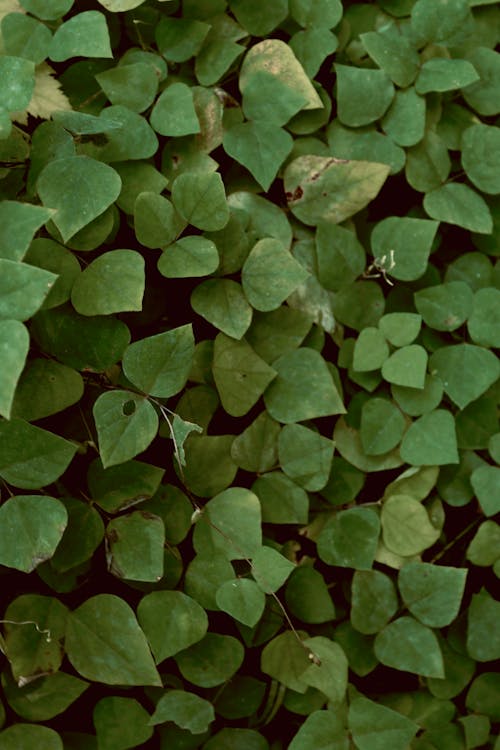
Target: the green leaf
pixel 185 709
pixel 119 487
pixel 156 222
pixel 34 648
pixel 126 424
pixel 406 527
pixel 47 10
pixel 484 549
pixel 282 501
pixel 432 593
pixel 17 81
pixel 178 39
pixel 83 35
pixel 438 21
pixel 79 189
pixel 308 597
pixel 400 328
pixel 173 113
pixel 31 457
pixel 320 188
pixel 485 480
pixel 211 661
pixel 374 92
pixel 285 659
pixel 180 431
pixel 201 200
pixel 349 445
pixel 482 96
pixel 34 526
pixel 321 730
pixel 261 147
pixel 375 726
pixel 113 282
pixel 404 121
pixel 382 426
pixel 330 675
pixel 223 303
pixel 18 223
pixel 364 144
pixel 82 536
pixel 442 74
pixel 85 343
pixel 484 322
pixel 51 256
pixel 242 599
pixel 259 18
pixel 349 539
pixel 230 524
pixel 466 371
pixel 445 307
pixel 431 440
pixel 240 375
pixel 159 365
pixel 303 388
pixel 105 644
pixel 50 696
pixel 409 243
pixel 23 288
pixel 340 256
pixel 204 575
pixel 237 739
pixel 483 631
pixel 189 256
pixel 26 736
pixel 406 366
pixel 305 456
pixel 408 645
pixel 278 332
pixel 260 217
pixel 209 467
pixel 256 449
pixel 133 85
pixel 392 52
pixel 458 204
pixel 46 387
pixel 132 139
pixel 111 729
pixel 416 402
pixel 373 601
pixel 270 569
pixel 370 350
pixel 141 177
pixel 159 615
pixel 135 547
pixel 483 695
pixel 174 508
pixel 262 88
pixel 14 346
pixel 428 165
pixel 270 274
pixel 359 305
pixel 276 56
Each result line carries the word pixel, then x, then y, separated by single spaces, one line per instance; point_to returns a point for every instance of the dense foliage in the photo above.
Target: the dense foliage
pixel 248 439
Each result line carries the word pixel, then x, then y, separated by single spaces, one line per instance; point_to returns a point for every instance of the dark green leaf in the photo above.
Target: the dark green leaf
pixel 46 698
pixel 229 524
pixel 282 501
pixel 185 709
pixel 223 303
pixel 135 547
pixel 305 456
pixel 105 644
pixel 14 346
pixel 211 661
pixel 373 601
pixel 432 593
pixel 408 645
pixel 350 538
pixel 406 527
pixel 209 466
pixel 23 288
pixel 126 424
pixel 83 35
pixel 201 200
pixel 242 599
pixel 458 204
pixel 18 223
pixel 113 731
pixel 261 147
pixel 375 727
pixel 431 440
pixel 466 371
pixel 483 631
pixel 121 486
pixel 26 736
pixel 303 389
pixel 31 457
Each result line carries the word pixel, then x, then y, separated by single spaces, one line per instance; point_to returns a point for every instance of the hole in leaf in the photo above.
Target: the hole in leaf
pixel 128 408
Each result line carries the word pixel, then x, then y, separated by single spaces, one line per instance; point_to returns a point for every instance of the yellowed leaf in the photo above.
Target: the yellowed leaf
pixel 48 97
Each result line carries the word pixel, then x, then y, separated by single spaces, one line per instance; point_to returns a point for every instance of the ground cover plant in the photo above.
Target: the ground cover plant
pixel 249 446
